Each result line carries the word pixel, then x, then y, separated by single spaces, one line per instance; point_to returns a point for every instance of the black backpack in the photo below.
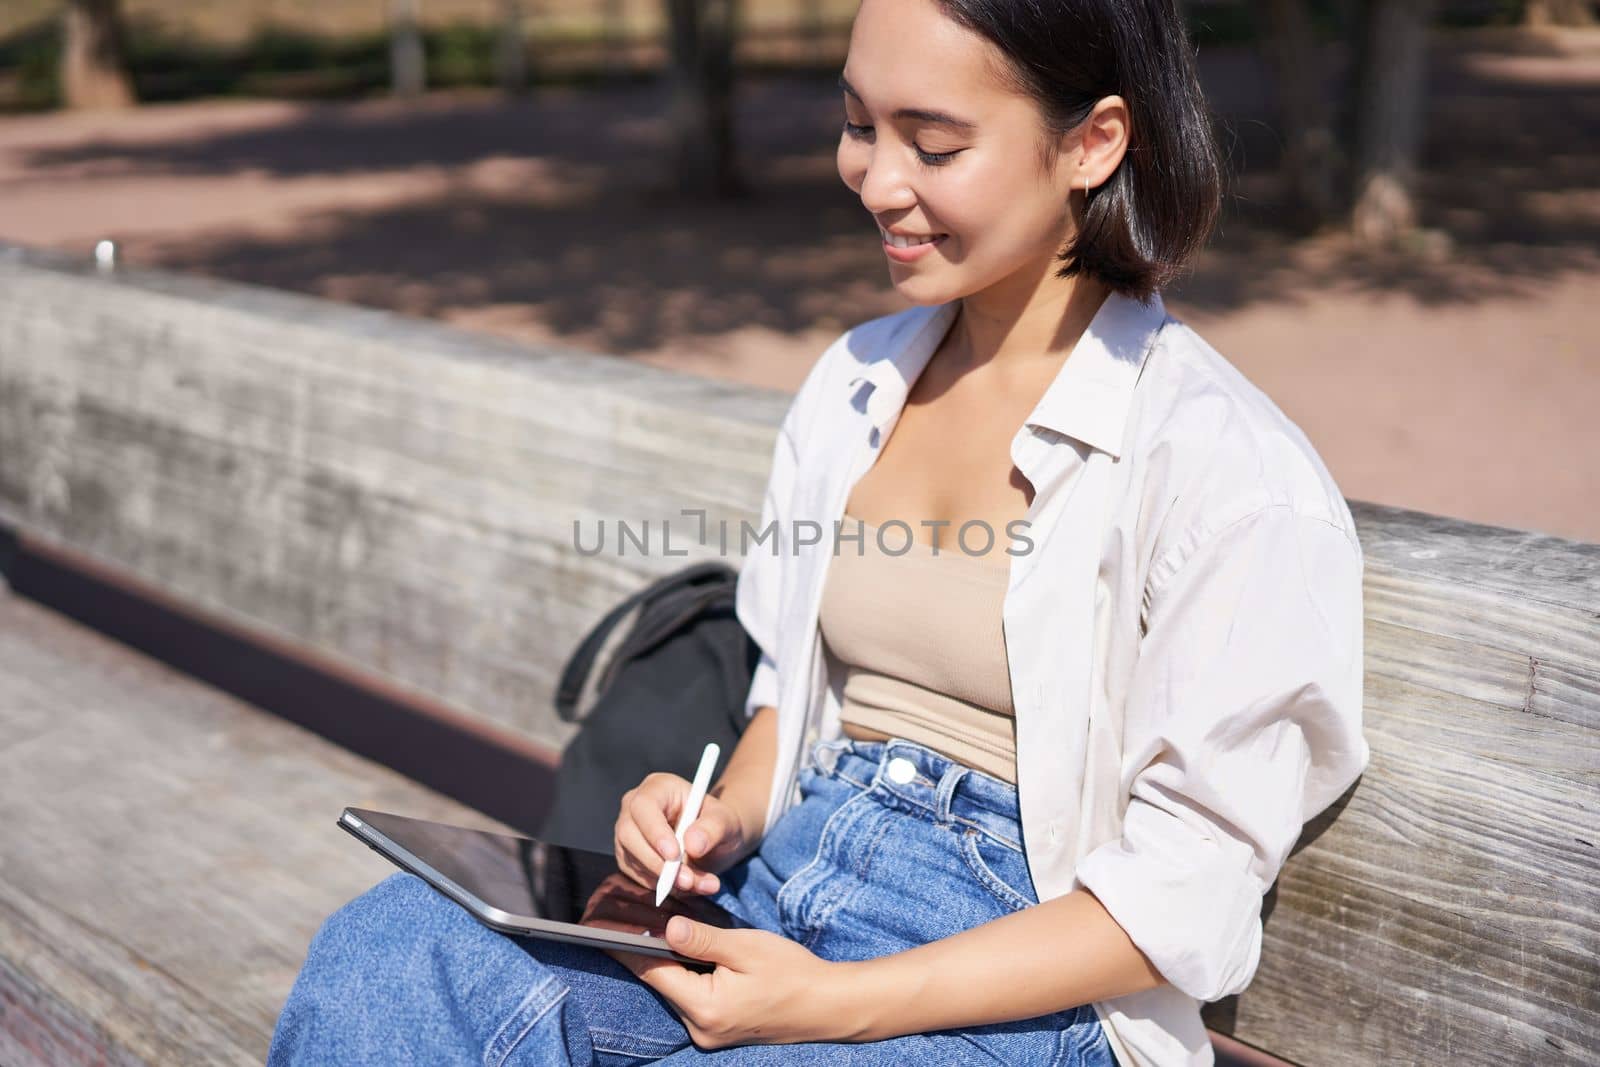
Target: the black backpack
pixel 664 672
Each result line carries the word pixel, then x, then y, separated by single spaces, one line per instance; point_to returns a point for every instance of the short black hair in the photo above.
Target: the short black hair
pixel 1143 226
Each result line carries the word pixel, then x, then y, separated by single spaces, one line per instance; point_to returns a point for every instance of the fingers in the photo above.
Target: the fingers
pixel 644 967
pixel 692 878
pixel 705 841
pixel 645 841
pixel 635 857
pixel 714 837
pixel 648 806
pixel 675 983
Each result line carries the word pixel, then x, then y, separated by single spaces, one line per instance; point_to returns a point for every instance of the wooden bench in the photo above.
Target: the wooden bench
pixel 140 918
pixel 392 503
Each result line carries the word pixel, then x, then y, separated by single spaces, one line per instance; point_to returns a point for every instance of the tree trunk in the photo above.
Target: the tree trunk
pixel 1558 13
pixel 702 34
pixel 94 71
pixel 813 29
pixel 613 45
pixel 1309 147
pixel 511 53
pixel 408 74
pixel 1389 114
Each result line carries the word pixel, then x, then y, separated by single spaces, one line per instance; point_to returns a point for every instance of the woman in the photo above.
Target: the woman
pixel 1017 803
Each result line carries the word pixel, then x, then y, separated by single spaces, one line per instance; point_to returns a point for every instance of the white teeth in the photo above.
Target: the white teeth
pixel 905 242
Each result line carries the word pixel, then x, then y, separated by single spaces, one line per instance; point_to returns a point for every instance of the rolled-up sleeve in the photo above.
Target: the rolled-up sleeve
pixel 1243 720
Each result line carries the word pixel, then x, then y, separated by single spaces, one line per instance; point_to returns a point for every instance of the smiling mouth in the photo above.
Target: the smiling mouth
pixel 898 241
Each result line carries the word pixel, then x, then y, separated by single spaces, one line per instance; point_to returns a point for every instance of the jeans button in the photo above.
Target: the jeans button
pixel 901 770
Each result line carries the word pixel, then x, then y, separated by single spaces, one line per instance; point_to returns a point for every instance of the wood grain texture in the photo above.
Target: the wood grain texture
pixel 1447 910
pixel 166 853
pixel 391 491
pixel 403 494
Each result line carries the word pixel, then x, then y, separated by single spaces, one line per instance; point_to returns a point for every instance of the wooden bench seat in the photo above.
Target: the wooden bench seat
pixel 167 853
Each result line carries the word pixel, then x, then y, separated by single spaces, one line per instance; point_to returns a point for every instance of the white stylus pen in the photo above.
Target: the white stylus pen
pixel 691 812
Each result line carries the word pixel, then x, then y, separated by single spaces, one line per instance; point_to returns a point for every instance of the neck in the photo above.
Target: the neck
pixel 1007 330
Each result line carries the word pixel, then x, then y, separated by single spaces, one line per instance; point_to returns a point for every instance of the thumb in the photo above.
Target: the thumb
pixel 714 831
pixel 697 939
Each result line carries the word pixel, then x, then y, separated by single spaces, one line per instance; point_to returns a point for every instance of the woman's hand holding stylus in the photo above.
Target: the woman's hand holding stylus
pixel 730 824
pixel 645 841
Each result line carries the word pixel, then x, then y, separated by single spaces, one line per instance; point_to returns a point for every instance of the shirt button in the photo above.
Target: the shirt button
pixel 901 770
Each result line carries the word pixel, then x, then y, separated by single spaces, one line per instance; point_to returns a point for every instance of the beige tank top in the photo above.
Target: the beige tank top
pixel 923 647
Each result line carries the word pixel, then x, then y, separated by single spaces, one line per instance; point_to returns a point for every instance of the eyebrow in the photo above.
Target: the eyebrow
pixel 942 118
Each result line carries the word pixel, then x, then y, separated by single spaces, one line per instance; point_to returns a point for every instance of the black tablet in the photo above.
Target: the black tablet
pixel 533 888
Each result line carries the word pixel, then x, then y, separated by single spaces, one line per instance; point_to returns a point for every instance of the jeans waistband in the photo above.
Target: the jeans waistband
pixel 947 789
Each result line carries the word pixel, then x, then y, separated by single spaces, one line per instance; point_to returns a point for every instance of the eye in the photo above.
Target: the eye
pixel 936 159
pixel 931 159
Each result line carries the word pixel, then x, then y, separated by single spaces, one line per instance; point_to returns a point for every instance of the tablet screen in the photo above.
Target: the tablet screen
pixel 535 879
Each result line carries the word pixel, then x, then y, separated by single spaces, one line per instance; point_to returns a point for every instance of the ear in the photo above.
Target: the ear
pixel 1104 141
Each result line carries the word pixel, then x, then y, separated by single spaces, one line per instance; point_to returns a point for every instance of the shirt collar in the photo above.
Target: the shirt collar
pixel 1088 399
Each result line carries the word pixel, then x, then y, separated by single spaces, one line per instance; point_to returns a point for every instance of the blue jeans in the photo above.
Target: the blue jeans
pixel 891 846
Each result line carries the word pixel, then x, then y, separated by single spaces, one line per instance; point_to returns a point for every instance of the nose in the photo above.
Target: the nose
pixel 884 188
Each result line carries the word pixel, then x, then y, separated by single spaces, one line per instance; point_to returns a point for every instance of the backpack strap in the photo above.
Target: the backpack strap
pixel 612 641
pixel 677 604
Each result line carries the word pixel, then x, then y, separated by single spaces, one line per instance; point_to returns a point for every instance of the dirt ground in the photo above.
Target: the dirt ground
pixel 1463 381
pixel 222 21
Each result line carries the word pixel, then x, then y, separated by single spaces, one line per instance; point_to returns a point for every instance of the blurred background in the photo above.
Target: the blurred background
pixel 1406 262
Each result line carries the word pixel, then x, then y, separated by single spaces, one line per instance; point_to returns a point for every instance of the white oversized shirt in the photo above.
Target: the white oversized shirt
pixel 1184 634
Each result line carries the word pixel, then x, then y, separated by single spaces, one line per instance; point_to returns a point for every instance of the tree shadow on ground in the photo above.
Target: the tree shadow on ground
pixel 627 271
pixel 1510 173
pixel 600 246
pixel 619 126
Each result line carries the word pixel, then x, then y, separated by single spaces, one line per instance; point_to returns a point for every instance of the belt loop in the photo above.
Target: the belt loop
pixel 825 754
pixel 946 792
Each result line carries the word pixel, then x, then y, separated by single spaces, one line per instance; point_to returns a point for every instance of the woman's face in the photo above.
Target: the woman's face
pixel 934 145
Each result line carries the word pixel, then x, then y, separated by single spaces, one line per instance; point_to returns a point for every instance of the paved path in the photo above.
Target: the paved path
pixel 1465 386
